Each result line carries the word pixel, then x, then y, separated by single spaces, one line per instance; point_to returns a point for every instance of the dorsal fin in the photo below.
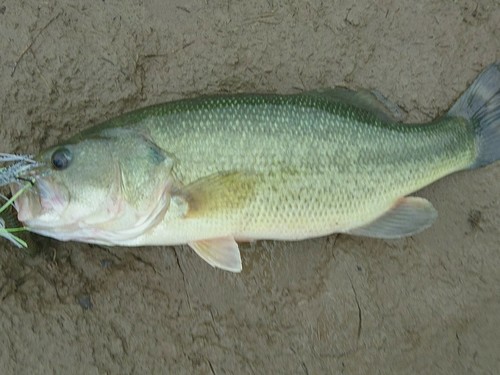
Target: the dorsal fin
pixel 371 101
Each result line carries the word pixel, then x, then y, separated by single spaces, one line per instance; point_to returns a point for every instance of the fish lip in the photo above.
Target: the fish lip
pixel 23 204
pixel 41 197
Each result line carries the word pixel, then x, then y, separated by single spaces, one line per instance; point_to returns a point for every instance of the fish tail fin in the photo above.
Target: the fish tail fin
pixel 480 104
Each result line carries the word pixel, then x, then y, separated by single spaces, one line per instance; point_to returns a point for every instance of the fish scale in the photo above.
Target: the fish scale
pixel 303 147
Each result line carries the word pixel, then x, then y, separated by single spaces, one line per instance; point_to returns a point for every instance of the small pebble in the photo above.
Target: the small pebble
pixel 85 302
pixel 474 219
pixel 106 263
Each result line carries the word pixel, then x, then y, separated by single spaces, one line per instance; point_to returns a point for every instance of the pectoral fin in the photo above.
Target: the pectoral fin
pixel 220 192
pixel 220 252
pixel 408 216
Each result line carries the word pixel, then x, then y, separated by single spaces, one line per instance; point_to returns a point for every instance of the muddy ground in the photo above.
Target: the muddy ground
pixel 427 304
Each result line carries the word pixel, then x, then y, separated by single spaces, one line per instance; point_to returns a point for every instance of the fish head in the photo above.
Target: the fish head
pixel 106 188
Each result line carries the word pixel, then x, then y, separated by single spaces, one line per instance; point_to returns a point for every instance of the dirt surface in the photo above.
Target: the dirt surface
pixel 427 304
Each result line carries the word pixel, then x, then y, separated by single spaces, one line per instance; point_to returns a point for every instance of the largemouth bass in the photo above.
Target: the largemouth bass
pixel 211 171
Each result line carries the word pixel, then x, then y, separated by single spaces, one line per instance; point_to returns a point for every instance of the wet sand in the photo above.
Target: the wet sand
pixel 340 304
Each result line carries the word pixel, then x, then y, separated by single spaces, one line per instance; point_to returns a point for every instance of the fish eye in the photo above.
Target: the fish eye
pixel 61 158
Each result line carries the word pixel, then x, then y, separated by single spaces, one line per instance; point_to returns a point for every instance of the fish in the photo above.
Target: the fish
pixel 213 171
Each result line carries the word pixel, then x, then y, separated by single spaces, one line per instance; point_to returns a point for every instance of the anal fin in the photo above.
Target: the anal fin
pixel 408 216
pixel 220 252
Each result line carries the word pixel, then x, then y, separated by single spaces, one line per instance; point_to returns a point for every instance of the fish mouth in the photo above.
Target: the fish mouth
pixel 40 198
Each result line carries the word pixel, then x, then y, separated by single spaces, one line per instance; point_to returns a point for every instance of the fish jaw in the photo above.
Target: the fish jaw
pixel 35 203
pixel 46 208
